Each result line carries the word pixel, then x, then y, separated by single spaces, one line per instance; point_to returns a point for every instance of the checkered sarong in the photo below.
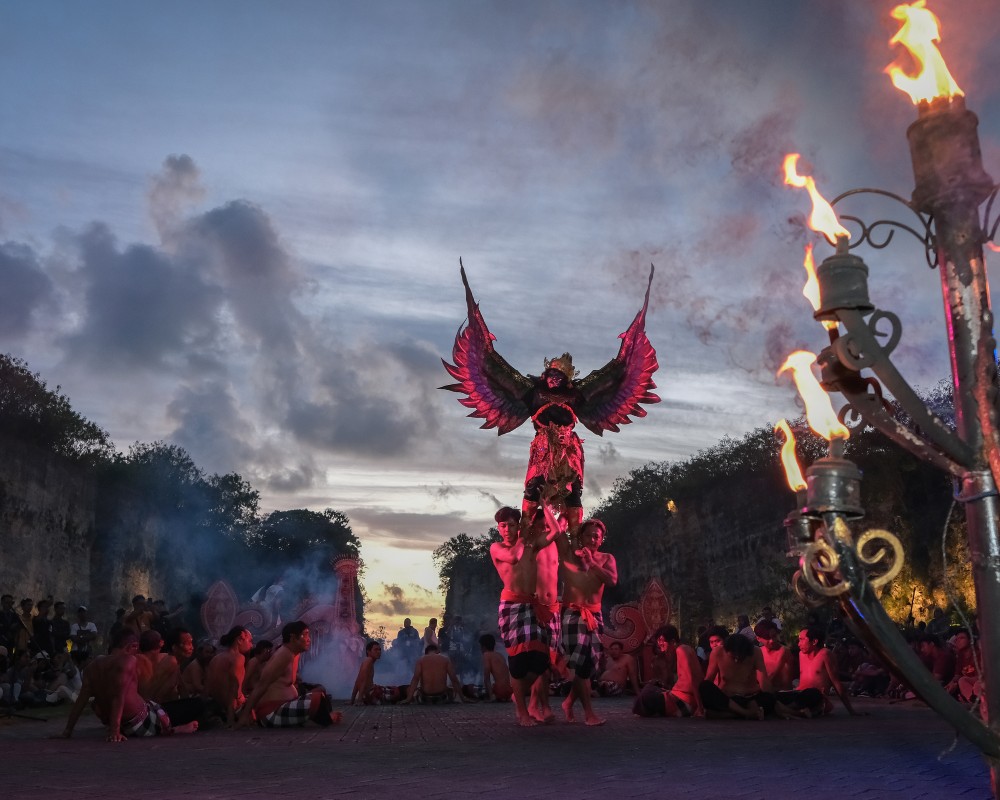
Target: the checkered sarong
pixel 293 714
pixel 153 722
pixel 519 628
pixel 554 626
pixel 582 647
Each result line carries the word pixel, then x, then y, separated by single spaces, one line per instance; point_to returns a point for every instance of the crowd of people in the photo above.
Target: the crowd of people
pixel 155 679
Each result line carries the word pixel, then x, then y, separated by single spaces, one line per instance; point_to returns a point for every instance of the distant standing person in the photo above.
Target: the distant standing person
pixel 430 633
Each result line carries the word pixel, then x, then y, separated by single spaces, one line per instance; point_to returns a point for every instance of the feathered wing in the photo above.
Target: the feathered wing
pixel 613 392
pixel 493 389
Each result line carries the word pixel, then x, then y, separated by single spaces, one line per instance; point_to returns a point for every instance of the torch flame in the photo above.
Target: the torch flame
pixel 918 33
pixel 819 409
pixel 792 472
pixel 823 217
pixel 811 290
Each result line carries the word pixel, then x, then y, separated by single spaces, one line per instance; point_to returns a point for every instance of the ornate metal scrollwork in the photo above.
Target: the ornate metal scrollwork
pixel 925 235
pixel 871 550
pixel 820 564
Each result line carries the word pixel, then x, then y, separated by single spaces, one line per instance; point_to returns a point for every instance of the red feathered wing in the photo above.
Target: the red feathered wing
pixel 613 392
pixel 493 389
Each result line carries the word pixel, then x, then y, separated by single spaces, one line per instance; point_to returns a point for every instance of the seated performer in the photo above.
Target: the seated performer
pixel 681 699
pixel 496 675
pixel 777 658
pixel 366 692
pixel 226 671
pixel 585 573
pixel 744 690
pixel 275 700
pixel 112 682
pixel 817 673
pixel 430 681
pixel 620 674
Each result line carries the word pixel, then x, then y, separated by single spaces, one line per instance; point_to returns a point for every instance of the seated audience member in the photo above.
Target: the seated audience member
pixel 20 676
pixel 743 690
pixel 682 699
pixel 767 615
pixel 226 671
pixel 66 678
pixel 259 656
pixel 193 675
pixel 940 659
pixel 848 655
pixel 497 685
pixel 777 658
pixel 871 679
pixel 275 701
pixel 620 673
pixel 817 675
pixel 965 682
pixel 9 622
pixel 940 624
pixel 431 677
pixel 366 692
pixel 83 633
pixel 112 682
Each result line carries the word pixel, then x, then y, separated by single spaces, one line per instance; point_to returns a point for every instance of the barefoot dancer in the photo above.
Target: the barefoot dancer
pixel 585 573
pixel 526 639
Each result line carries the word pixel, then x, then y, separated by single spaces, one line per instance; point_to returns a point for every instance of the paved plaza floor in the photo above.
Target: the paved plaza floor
pixel 411 753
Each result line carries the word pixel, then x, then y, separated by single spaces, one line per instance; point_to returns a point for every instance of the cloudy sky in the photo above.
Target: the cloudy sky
pixel 236 226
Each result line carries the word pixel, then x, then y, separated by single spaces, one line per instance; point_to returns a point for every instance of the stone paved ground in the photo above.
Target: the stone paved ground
pixel 476 751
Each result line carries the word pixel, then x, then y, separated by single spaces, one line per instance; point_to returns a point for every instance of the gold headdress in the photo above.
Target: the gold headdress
pixel 564 364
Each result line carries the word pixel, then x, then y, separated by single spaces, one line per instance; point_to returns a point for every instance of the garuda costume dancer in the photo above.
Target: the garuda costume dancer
pixel 554 401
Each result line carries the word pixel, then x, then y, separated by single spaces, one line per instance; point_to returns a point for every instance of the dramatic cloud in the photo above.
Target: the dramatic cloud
pixel 26 288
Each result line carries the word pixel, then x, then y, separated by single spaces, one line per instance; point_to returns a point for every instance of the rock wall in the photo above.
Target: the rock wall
pixel 63 534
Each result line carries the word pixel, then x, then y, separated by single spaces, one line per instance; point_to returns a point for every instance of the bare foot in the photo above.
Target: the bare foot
pixel 595 720
pixel 756 712
pixel 336 717
pixel 526 721
pixel 190 727
pixel 567 707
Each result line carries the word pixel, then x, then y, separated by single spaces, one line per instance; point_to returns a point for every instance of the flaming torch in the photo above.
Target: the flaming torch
pixel 950 186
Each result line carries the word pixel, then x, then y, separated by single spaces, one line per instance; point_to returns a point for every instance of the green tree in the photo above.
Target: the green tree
pixel 31 412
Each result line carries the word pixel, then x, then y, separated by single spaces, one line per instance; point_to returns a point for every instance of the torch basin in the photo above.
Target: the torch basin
pixel 799 532
pixel 834 486
pixel 947 160
pixel 843 283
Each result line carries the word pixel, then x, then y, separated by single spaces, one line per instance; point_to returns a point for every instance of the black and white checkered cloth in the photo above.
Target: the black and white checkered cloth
pixel 152 723
pixel 582 647
pixel 519 627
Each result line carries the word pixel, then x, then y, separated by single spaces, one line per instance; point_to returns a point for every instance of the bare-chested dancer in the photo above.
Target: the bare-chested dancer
pixel 681 699
pixel 744 690
pixel 585 573
pixel 496 675
pixel 431 677
pixel 226 671
pixel 817 673
pixel 365 691
pixel 620 673
pixel 112 682
pixel 527 639
pixel 275 700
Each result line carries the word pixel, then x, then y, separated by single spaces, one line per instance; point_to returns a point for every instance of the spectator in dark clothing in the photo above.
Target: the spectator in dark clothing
pixel 41 627
pixel 60 628
pixel 9 622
